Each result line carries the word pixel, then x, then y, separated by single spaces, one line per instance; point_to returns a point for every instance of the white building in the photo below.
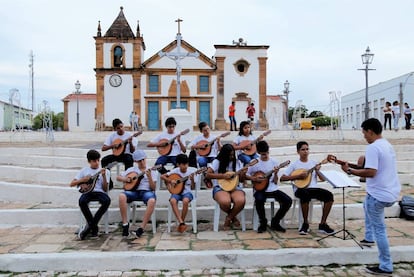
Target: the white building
pixel 399 89
pixel 87 111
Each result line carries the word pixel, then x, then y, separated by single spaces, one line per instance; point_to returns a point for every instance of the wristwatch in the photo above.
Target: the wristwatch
pixel 349 171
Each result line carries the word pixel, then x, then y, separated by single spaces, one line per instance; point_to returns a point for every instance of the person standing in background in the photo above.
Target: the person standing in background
pixel 387 115
pixel 395 113
pixel 232 110
pixel 407 116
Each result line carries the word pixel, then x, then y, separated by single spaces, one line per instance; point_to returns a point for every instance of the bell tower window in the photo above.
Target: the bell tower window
pixel 118 56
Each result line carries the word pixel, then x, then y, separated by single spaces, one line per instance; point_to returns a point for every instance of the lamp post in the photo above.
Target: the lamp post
pixel 286 93
pixel 367 58
pixel 77 87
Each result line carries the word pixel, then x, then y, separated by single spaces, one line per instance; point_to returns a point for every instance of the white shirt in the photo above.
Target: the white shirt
pixel 176 149
pixel 144 183
pixel 112 137
pixel 214 147
pixel 87 171
pixel 215 166
pixel 301 165
pixel 265 167
pixel 385 185
pixel 187 184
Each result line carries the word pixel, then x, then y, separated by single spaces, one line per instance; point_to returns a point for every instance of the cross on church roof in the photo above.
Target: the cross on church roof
pixel 179 21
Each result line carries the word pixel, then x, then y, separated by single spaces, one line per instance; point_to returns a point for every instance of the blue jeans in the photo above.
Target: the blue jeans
pixel 376 230
pixel 203 161
pixel 245 159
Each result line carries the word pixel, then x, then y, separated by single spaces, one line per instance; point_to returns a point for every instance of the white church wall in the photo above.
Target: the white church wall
pixel 118 100
pixel 86 115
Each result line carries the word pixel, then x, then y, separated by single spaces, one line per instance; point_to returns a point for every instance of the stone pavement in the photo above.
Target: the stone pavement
pixel 54 250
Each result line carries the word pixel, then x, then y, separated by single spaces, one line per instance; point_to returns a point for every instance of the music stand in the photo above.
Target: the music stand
pixel 339 179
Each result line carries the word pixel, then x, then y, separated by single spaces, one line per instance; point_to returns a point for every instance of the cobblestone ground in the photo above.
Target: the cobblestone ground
pixel 400 270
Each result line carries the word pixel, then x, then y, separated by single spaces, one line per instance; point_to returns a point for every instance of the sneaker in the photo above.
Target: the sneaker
pixel 82 234
pixel 304 230
pixel 263 226
pixel 182 227
pixel 377 271
pixel 125 230
pixel 139 232
pixel 324 228
pixel 94 235
pixel 365 242
pixel 275 226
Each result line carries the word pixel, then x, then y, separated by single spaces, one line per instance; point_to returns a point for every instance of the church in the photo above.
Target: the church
pixel 205 87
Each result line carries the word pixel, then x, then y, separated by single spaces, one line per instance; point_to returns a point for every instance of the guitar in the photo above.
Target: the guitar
pixel 203 147
pixel 333 159
pixel 249 146
pixel 90 184
pixel 231 184
pixel 175 183
pixel 264 183
pixel 303 183
pixel 118 145
pixel 166 144
pixel 136 178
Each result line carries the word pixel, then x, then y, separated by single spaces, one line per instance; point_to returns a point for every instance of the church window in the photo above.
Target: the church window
pixel 154 83
pixel 118 56
pixel 204 83
pixel 241 66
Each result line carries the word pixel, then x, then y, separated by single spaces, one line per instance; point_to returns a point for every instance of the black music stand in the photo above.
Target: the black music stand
pixel 340 180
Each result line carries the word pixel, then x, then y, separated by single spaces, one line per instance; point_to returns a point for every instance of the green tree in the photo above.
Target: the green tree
pixel 316 114
pixel 57 121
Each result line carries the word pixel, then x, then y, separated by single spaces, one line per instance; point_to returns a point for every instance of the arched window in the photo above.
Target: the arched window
pixel 118 56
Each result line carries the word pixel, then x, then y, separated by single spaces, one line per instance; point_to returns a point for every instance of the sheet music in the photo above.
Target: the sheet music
pixel 339 179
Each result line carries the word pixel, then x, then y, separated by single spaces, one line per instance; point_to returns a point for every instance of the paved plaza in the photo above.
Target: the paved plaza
pixel 40 219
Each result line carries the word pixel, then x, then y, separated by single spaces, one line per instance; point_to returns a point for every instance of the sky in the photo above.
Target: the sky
pixel 314 44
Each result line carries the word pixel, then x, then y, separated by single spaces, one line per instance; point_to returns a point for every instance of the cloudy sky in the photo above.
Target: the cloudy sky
pixel 315 44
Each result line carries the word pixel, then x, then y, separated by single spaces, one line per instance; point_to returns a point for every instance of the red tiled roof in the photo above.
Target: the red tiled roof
pixel 82 96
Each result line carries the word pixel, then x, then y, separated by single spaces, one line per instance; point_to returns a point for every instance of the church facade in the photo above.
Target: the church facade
pixel 126 81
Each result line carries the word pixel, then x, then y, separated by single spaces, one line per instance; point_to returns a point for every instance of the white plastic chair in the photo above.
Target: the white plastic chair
pixel 217 212
pixel 296 202
pixel 140 206
pixel 94 205
pixel 192 206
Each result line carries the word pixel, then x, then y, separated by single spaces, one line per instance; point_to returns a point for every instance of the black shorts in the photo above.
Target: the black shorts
pixel 307 194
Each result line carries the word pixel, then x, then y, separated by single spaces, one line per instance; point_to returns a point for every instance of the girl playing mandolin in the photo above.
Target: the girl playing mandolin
pixel 184 194
pixel 256 173
pixel 223 168
pixel 144 191
pixel 243 143
pixel 309 168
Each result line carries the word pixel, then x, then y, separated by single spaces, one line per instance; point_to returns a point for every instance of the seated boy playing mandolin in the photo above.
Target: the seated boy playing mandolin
pixel 98 193
pixel 180 182
pixel 168 144
pixel 140 184
pixel 265 172
pixel 303 173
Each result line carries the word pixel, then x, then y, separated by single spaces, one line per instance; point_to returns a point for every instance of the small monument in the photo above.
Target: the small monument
pixel 182 116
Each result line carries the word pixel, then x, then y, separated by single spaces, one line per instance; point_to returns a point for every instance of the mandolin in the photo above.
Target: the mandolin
pixel 176 183
pixel 136 178
pixel 90 184
pixel 203 147
pixel 118 145
pixel 231 184
pixel 264 183
pixel 249 146
pixel 304 183
pixel 166 144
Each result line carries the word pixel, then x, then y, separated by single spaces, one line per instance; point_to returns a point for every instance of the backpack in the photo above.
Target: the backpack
pixel 407 207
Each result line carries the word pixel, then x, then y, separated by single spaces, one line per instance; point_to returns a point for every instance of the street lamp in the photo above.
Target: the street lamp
pixel 286 93
pixel 367 58
pixel 77 87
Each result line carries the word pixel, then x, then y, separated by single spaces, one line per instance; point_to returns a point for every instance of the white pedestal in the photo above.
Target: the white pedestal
pixel 184 120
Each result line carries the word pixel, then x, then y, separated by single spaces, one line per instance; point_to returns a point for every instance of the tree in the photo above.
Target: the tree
pixel 316 114
pixel 57 121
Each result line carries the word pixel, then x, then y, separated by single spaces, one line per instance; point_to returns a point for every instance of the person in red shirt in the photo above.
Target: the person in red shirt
pixel 250 110
pixel 232 110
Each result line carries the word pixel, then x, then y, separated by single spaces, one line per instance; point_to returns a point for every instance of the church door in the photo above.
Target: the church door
pixel 204 109
pixel 153 116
